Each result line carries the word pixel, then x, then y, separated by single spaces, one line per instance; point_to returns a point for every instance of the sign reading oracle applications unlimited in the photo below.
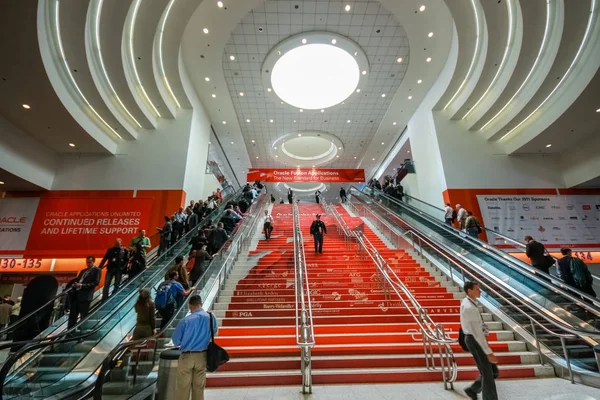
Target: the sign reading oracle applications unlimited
pixel 558 221
pixel 16 218
pixel 86 224
pixel 306 175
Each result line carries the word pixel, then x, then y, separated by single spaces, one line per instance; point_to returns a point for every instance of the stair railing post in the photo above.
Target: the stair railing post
pixel 537 342
pixel 564 347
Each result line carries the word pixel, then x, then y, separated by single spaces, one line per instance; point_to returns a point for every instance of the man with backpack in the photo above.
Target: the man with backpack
pixel 169 296
pixel 580 274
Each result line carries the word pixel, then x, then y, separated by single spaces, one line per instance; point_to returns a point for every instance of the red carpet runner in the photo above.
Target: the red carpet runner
pixel 359 337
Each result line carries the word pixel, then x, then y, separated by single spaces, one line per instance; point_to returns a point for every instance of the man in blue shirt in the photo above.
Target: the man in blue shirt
pixel 192 335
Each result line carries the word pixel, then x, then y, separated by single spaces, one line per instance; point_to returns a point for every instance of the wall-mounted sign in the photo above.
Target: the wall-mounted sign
pixel 306 175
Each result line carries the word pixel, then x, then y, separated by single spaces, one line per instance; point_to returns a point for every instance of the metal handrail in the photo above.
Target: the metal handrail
pixel 431 332
pixel 510 261
pixel 305 334
pixel 448 255
pixel 244 232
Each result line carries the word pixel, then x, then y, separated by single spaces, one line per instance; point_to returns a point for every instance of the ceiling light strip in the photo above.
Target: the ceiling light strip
pixel 476 51
pixel 138 80
pixel 160 53
pixel 68 70
pixel 101 61
pixel 586 37
pixel 533 68
pixel 509 43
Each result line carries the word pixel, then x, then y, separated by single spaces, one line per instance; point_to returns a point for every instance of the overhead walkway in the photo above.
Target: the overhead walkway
pixel 64 365
pixel 559 320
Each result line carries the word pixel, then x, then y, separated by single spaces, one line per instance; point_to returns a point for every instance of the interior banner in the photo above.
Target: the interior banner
pixel 305 175
pixel 556 221
pixel 79 226
pixel 16 218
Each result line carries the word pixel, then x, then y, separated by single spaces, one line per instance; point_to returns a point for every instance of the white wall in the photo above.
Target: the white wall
pixel 25 157
pixel 582 164
pixel 211 184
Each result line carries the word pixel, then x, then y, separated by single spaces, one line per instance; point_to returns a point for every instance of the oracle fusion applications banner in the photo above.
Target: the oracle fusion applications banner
pixel 16 218
pixel 554 220
pixel 306 175
pixel 71 225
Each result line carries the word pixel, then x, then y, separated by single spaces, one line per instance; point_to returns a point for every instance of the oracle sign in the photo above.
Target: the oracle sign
pixel 13 220
pixel 16 217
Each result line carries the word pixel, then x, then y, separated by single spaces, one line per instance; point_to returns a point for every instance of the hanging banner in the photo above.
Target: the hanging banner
pixel 556 221
pixel 76 227
pixel 305 175
pixel 16 218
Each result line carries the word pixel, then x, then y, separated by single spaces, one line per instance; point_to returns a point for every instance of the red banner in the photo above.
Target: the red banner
pixel 76 227
pixel 306 175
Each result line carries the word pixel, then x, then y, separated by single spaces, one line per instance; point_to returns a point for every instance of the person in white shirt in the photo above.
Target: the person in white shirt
pixel 448 211
pixel 475 331
pixel 461 216
pixel 268 225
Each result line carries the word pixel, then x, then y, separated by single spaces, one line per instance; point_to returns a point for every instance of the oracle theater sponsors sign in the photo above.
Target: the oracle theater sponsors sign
pixel 306 175
pixel 86 224
pixel 558 221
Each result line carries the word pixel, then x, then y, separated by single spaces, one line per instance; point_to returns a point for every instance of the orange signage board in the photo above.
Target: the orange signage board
pixel 306 175
pixel 77 227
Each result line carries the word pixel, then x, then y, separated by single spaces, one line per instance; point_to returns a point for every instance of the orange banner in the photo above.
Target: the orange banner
pixel 77 227
pixel 306 175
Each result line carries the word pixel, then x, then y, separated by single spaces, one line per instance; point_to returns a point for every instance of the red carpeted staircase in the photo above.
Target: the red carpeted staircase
pixel 359 337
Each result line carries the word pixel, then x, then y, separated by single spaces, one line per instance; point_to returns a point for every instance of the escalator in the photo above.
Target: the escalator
pixel 65 365
pixel 521 293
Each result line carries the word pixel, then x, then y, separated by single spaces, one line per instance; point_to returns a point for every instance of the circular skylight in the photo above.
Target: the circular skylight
pixel 315 76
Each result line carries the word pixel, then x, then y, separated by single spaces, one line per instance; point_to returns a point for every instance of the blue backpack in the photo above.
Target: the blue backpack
pixel 164 296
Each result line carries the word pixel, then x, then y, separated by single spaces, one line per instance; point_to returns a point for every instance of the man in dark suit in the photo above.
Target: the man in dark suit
pixel 537 254
pixel 318 229
pixel 116 259
pixel 84 286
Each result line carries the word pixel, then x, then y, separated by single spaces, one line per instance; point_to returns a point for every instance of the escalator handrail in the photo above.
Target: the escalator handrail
pixel 452 255
pixel 50 341
pixel 511 261
pixel 123 347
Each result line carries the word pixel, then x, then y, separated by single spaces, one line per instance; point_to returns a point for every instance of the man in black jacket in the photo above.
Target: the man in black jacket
pixel 318 229
pixel 564 267
pixel 116 259
pixel 228 222
pixel 218 238
pixel 537 254
pixel 84 286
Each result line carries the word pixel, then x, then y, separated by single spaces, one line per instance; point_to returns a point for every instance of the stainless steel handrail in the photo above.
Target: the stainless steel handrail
pixel 305 334
pixel 512 262
pixel 524 300
pixel 431 332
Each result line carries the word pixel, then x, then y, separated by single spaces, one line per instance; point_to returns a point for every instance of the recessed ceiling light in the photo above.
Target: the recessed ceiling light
pixel 276 156
pixel 428 59
pixel 430 34
pixel 299 135
pixel 399 59
pixel 248 120
pixel 422 8
pixel 242 94
pixel 278 52
pixel 282 102
pixel 598 110
pixel 253 141
pixel 410 97
pixel 304 41
pixel 364 72
pixel 298 166
pixel 382 143
pixel 322 110
pixel 271 121
pixel 313 166
pixel 231 142
pixel 1 183
pixel 269 90
pixel 224 122
pixel 373 159
pixel 339 148
pixel 347 8
pixel 355 158
pixel 205 30
pixel 232 58
pixel 419 81
pixel 220 4
pixel 214 96
pixel 26 106
pixel 408 151
pixel 72 144
pixel 333 41
pixel 294 122
pixel 256 156
pixel 275 147
pixel 337 156
pixel 243 172
pixel 355 53
pixel 357 90
pixel 549 145
pixel 394 123
pixel 348 121
pixel 383 95
pixel 301 110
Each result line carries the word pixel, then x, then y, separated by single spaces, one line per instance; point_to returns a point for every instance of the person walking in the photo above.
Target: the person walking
pixel 182 273
pixel 200 259
pixel 343 197
pixel 537 254
pixel 165 235
pixel 476 332
pixel 137 262
pixel 472 225
pixel 448 214
pixel 169 296
pixel 218 238
pixel 192 335
pixel 116 259
pixel 146 318
pixel 580 274
pixel 318 229
pixel 84 286
pixel 564 267
pixel 461 216
pixel 290 196
pixel 318 196
pixel 268 225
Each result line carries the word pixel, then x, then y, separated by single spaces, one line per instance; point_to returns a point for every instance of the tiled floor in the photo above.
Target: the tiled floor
pixel 534 389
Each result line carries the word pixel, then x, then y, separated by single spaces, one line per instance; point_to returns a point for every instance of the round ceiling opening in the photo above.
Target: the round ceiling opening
pixel 307 148
pixel 315 76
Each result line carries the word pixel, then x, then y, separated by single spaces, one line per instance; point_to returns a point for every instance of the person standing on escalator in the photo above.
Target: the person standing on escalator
pixel 83 287
pixel 537 254
pixel 115 259
pixel 318 229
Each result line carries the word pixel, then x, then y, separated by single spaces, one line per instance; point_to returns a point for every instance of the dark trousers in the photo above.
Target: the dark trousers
pixel 164 244
pixel 268 228
pixel 488 371
pixel 318 238
pixel 344 199
pixel 78 308
pixel 317 199
pixel 166 314
pixel 449 221
pixel 290 199
pixel 110 274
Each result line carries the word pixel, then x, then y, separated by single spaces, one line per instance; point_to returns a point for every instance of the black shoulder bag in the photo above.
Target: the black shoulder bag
pixel 215 354
pixel 461 340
